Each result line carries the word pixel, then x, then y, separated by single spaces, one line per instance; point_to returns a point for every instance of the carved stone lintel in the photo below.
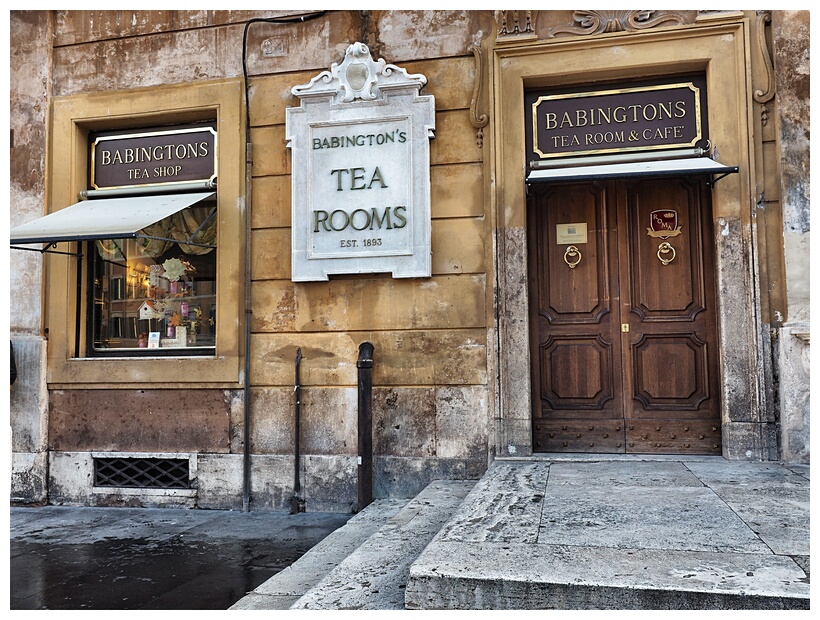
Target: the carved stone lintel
pixel 599 22
pixel 515 23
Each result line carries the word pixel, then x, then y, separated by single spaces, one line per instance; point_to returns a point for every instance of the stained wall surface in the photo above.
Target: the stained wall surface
pixel 430 372
pixel 451 374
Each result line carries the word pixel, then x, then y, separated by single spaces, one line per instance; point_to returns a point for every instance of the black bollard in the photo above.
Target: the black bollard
pixel 365 366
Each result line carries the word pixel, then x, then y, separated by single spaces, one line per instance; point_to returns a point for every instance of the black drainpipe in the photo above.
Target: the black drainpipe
pixel 246 472
pixel 246 395
pixel 365 366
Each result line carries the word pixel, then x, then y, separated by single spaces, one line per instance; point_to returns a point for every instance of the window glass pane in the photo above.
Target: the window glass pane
pixel 157 292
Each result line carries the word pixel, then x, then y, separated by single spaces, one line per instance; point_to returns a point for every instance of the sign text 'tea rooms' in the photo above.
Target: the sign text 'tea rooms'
pixel 359 196
pixel 361 171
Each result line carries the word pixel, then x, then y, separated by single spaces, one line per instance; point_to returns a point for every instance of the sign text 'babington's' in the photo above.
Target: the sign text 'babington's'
pixel 618 120
pixel 154 158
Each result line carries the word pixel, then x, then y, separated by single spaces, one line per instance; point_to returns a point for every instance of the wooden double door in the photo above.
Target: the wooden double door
pixel 623 317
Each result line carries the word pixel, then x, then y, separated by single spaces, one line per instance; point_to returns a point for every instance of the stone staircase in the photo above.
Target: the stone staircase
pixel 366 563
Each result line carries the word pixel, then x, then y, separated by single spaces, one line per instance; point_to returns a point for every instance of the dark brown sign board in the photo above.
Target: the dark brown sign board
pixel 158 157
pixel 613 119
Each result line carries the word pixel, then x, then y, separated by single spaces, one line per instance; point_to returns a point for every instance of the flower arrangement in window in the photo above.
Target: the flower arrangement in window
pixel 170 303
pixel 175 268
pixel 172 270
pixel 192 319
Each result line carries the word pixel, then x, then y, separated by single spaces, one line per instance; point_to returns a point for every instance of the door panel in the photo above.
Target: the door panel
pixel 577 294
pixel 671 364
pixel 566 386
pixel 624 328
pixel 675 291
pixel 670 371
pixel 576 343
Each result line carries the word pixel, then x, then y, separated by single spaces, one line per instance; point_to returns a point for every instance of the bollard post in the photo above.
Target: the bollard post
pixel 365 366
pixel 297 504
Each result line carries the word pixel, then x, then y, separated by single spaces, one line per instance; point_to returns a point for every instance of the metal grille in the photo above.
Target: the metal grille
pixel 141 473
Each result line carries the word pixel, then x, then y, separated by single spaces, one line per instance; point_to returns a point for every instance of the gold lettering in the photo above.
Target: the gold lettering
pixel 580 118
pixel 665 110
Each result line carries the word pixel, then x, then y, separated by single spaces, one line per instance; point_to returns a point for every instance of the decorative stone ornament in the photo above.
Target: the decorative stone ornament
pixel 360 142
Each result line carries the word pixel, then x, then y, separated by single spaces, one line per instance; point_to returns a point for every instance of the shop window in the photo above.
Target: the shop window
pixel 133 169
pixel 158 289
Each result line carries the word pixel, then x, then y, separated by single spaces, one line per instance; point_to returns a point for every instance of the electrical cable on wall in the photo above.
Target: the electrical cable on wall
pixel 248 167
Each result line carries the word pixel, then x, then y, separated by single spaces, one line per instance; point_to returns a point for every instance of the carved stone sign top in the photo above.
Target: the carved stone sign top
pixel 361 171
pixel 358 77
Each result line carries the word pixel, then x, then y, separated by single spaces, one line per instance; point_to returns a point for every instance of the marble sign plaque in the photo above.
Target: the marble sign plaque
pixel 361 171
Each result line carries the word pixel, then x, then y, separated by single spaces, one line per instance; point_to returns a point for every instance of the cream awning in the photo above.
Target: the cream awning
pixel 104 218
pixel 656 168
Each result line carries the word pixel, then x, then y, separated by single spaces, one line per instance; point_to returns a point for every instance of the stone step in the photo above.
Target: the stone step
pixel 287 586
pixel 621 535
pixel 365 563
pixel 374 576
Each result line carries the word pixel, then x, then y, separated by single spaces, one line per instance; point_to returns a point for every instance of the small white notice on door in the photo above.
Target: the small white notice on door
pixel 571 233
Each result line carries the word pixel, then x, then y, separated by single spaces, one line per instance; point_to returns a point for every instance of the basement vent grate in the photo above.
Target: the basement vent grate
pixel 141 473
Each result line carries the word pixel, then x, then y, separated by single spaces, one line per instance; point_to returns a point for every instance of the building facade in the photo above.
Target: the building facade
pixel 560 231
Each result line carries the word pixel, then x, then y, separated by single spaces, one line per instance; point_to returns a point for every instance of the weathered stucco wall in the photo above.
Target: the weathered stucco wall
pixel 430 377
pixel 29 77
pixel 791 56
pixel 140 420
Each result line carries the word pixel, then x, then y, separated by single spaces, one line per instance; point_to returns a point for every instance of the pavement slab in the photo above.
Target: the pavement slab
pixel 505 505
pixel 90 558
pixel 679 518
pixel 629 533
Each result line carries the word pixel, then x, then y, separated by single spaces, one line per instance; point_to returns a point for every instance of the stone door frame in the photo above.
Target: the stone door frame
pixel 720 51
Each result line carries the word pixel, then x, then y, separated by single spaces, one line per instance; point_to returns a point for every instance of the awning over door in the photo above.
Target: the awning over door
pixel 657 168
pixel 104 218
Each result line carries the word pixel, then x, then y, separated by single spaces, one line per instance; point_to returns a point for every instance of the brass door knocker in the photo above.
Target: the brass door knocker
pixel 665 248
pixel 570 254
